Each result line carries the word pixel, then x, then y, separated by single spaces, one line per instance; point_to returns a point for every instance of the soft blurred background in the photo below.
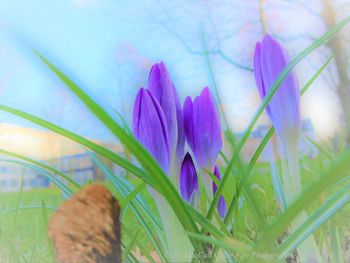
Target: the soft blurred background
pixel 108 47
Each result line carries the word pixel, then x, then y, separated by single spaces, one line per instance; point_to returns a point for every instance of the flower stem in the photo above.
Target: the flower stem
pixel 307 251
pixel 179 246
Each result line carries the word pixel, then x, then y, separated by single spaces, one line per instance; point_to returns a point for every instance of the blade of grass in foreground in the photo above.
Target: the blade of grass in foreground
pixel 48 240
pixel 337 171
pixel 159 178
pixel 138 243
pixel 132 195
pixel 322 214
pixel 131 244
pixel 124 188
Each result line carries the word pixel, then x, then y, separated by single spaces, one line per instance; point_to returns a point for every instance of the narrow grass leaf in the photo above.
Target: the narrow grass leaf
pixel 322 214
pixel 159 178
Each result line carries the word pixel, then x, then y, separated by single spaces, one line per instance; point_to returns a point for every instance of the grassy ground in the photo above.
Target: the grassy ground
pixel 23 221
pixel 23 225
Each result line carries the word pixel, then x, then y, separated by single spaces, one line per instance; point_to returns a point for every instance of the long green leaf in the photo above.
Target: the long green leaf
pixel 130 245
pixel 125 189
pixel 338 170
pixel 138 243
pixel 131 196
pixel 322 214
pixel 159 178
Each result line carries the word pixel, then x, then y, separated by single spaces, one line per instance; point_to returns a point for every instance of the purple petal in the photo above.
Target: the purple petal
pixel 149 127
pixel 188 123
pixel 180 127
pixel 257 70
pixel 160 85
pixel 284 108
pixel 207 130
pixel 188 179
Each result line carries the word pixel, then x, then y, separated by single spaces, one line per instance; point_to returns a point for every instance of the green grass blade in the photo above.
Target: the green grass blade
pixel 48 240
pixel 205 223
pixel 131 244
pixel 18 204
pixel 277 186
pixel 315 76
pixel 338 170
pixel 125 189
pixel 159 178
pixel 320 148
pixel 322 214
pixel 131 196
pixel 227 243
pixel 139 244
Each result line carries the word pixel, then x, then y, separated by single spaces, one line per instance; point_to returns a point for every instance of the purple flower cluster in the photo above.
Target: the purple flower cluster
pixel 162 126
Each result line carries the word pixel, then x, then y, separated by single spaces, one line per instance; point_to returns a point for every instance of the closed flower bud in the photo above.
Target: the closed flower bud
pixel 150 128
pixel 270 59
pixel 202 128
pixel 188 180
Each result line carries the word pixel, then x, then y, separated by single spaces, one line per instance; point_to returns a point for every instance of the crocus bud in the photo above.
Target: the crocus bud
pixel 180 146
pixel 162 88
pixel 188 180
pixel 221 207
pixel 150 128
pixel 270 59
pixel 202 128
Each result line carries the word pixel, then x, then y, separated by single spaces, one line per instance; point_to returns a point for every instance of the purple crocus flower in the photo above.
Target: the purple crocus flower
pixel 270 58
pixel 161 86
pixel 202 128
pixel 150 128
pixel 221 207
pixel 188 180
pixel 180 128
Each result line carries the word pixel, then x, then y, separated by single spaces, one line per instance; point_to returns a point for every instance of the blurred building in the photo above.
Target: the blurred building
pixel 49 148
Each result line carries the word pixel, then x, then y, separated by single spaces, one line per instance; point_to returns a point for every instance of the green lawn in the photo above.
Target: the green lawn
pixel 23 231
pixel 23 225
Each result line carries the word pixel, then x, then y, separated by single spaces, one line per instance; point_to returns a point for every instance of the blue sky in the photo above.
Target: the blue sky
pixel 109 46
